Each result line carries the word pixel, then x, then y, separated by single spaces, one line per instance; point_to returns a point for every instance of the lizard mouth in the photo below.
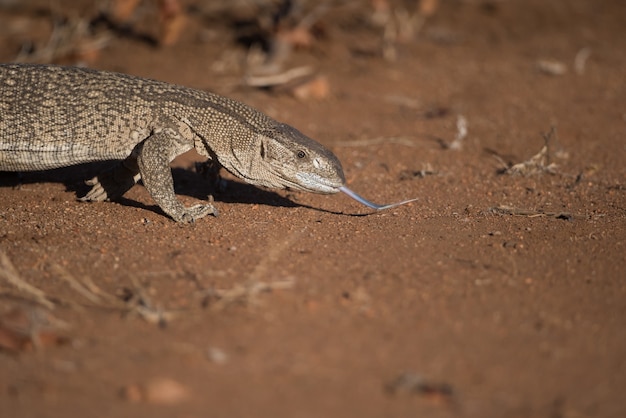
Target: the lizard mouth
pixel 315 183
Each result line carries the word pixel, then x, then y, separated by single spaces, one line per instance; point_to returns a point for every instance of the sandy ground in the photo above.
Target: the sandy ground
pixel 492 295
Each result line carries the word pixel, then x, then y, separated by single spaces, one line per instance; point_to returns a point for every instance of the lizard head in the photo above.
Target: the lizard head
pixel 284 157
pixel 288 158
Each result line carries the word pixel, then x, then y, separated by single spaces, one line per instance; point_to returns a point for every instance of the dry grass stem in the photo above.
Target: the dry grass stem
pixel 140 304
pixel 272 80
pixel 532 213
pixel 64 275
pixel 9 273
pixel 245 294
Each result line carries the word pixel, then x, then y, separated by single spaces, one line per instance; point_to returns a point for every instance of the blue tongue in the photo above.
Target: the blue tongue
pixel 370 204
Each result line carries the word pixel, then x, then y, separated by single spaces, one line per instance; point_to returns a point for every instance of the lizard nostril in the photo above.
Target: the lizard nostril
pixel 317 163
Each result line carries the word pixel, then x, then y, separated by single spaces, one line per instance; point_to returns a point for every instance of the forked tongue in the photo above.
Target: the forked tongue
pixel 370 204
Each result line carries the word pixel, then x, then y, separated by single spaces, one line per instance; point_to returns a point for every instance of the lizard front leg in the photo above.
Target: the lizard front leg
pixel 154 165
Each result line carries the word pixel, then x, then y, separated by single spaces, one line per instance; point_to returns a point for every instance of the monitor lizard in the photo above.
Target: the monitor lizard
pixel 54 116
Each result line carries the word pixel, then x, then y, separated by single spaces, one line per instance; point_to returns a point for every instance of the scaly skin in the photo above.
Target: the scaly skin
pixel 54 117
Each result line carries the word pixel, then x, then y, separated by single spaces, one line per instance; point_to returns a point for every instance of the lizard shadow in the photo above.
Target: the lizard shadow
pixel 192 184
pixel 72 177
pixel 186 182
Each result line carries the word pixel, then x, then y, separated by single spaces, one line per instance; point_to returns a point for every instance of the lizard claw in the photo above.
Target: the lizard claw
pixel 97 193
pixel 111 184
pixel 191 214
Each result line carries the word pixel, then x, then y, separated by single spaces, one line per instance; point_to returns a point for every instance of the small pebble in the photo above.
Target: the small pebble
pixel 216 355
pixel 158 391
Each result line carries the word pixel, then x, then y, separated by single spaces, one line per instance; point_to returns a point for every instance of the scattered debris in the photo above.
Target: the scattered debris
pixel 122 10
pixel 404 101
pixel 398 24
pixel 24 328
pixel 551 67
pixel 292 75
pixel 157 391
pixel 532 213
pixel 284 27
pixel 134 299
pixel 440 393
pixel 580 61
pixel 244 294
pixel 217 355
pixel 360 300
pixel 317 88
pixel 9 273
pixel 427 170
pixel 538 163
pixel 173 20
pixel 87 289
pixel 137 302
pixel 461 133
pixel 71 42
pixel 301 82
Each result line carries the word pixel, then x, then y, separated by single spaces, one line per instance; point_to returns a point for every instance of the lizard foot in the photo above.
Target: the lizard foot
pixel 96 193
pixel 191 214
pixel 108 186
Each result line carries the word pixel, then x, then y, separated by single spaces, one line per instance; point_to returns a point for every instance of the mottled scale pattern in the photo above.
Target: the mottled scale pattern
pixel 57 116
pixel 54 116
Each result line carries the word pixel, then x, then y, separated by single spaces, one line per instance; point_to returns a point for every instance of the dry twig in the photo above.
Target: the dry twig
pixel 461 133
pixel 9 273
pixel 64 275
pixel 245 294
pixel 538 163
pixel 532 213
pixel 427 170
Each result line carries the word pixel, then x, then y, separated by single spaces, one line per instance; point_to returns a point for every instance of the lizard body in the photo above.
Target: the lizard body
pixel 53 116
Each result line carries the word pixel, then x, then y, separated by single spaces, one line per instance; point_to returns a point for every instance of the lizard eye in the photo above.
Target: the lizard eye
pixel 301 154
